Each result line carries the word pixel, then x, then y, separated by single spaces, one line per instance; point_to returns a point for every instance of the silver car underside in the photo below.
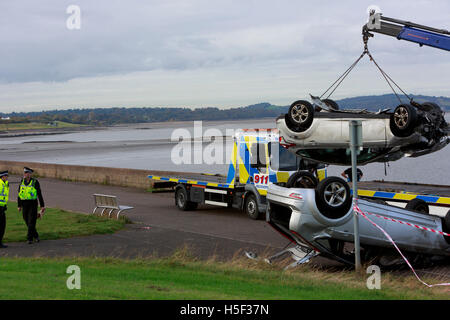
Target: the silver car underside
pixel 301 220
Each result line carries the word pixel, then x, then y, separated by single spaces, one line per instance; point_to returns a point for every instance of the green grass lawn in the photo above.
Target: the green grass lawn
pixel 57 224
pixel 36 125
pixel 178 277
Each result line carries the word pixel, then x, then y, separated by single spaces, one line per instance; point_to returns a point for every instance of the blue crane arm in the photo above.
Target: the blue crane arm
pixel 405 30
pixel 423 37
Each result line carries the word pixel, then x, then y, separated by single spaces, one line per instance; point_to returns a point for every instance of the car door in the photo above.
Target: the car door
pixel 324 133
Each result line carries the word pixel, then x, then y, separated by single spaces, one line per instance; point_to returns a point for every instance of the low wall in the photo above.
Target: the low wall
pixel 102 175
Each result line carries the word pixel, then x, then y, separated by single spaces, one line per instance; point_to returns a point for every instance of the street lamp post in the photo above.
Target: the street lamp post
pixel 355 144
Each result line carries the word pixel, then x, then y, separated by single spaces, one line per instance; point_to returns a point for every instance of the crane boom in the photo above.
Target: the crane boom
pixel 406 30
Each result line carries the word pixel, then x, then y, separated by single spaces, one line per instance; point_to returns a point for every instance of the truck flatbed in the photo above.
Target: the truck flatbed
pixel 200 179
pixel 438 195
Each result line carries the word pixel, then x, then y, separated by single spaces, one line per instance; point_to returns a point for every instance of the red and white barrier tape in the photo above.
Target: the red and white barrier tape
pixel 364 215
pixel 409 224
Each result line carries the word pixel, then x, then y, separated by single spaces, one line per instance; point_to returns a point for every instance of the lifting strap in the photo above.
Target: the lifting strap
pixel 388 79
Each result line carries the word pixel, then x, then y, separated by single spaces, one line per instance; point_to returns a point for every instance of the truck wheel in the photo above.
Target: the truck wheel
pixel 403 120
pixel 418 205
pixel 333 197
pixel 302 179
pixel 251 207
pixel 300 115
pixel 182 202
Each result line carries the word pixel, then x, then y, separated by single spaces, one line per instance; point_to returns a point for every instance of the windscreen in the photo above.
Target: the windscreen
pixel 281 159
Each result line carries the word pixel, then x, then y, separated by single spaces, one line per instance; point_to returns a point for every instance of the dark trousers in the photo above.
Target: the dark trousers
pixel 29 213
pixel 2 222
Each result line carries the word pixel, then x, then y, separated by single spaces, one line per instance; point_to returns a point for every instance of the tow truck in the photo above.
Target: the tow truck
pixel 257 160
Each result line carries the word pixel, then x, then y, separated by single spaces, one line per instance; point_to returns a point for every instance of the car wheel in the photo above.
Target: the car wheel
pixel 182 202
pixel 301 115
pixel 331 103
pixel 435 112
pixel 403 120
pixel 251 207
pixel 302 179
pixel 418 205
pixel 333 197
pixel 431 107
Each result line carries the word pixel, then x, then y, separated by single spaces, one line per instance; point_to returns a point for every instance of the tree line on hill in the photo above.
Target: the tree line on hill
pixel 110 116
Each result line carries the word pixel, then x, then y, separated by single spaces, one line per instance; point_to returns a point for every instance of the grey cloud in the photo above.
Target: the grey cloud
pixel 120 37
pixel 310 43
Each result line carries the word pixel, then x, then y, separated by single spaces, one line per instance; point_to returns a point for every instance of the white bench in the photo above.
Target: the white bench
pixel 107 202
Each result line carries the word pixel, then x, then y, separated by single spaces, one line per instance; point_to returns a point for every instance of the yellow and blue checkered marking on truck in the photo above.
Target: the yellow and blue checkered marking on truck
pixel 195 182
pixel 399 196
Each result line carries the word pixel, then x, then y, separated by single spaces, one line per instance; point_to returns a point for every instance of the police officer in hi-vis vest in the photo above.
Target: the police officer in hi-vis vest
pixel 4 194
pixel 27 202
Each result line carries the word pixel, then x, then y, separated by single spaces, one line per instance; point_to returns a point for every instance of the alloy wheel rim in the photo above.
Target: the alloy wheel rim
pixel 335 194
pixel 299 113
pixel 401 117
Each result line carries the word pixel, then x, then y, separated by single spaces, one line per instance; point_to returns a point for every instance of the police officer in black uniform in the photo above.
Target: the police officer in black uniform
pixel 348 174
pixel 27 202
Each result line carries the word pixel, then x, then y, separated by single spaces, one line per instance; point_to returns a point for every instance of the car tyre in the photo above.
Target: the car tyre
pixel 251 207
pixel 333 197
pixel 331 103
pixel 302 179
pixel 431 107
pixel 418 205
pixel 300 115
pixel 403 120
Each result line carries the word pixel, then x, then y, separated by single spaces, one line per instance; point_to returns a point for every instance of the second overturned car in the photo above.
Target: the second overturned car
pixel 320 221
pixel 320 131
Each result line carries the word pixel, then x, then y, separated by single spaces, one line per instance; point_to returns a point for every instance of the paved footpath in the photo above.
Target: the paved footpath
pixel 158 228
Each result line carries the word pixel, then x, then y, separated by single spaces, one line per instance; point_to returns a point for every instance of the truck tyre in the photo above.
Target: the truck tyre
pixel 333 197
pixel 418 205
pixel 182 202
pixel 300 115
pixel 251 207
pixel 403 120
pixel 302 179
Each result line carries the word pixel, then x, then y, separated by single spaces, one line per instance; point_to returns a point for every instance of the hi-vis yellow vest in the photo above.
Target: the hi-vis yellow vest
pixel 27 191
pixel 4 193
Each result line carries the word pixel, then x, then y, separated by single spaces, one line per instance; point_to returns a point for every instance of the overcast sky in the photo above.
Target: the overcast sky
pixel 190 53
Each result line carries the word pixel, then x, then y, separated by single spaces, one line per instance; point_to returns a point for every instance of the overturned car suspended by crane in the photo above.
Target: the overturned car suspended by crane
pixel 318 130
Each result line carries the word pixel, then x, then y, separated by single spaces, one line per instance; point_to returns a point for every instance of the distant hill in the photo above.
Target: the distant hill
pixel 389 101
pixel 110 116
